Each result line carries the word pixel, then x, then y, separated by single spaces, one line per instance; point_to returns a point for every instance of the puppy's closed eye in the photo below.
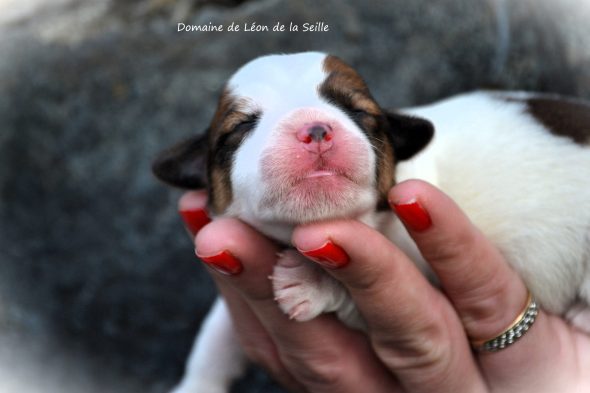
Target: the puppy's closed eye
pixel 247 124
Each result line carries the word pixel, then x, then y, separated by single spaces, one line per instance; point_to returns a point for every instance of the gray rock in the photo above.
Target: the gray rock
pixel 96 271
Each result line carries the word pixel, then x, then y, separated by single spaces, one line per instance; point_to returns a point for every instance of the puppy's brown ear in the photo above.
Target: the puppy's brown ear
pixel 184 165
pixel 408 134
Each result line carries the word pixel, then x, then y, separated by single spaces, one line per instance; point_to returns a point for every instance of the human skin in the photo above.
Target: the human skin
pixel 418 335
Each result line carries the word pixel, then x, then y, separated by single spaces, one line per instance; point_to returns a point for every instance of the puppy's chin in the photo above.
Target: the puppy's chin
pixel 318 197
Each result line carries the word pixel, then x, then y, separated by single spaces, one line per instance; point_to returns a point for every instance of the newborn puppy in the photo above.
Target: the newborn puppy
pixel 299 138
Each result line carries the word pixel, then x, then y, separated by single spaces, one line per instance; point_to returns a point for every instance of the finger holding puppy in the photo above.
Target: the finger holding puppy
pixel 487 294
pixel 422 334
pixel 192 207
pixel 254 340
pixel 320 355
pixel 412 327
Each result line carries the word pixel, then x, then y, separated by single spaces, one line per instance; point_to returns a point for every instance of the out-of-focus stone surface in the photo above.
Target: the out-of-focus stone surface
pixel 99 288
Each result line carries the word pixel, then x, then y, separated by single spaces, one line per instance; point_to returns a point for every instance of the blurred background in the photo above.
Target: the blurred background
pixel 99 287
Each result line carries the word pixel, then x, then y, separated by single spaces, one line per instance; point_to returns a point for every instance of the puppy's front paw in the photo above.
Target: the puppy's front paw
pixel 300 288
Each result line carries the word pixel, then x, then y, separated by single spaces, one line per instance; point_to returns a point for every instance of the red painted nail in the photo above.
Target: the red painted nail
pixel 195 219
pixel 413 215
pixel 329 255
pixel 224 262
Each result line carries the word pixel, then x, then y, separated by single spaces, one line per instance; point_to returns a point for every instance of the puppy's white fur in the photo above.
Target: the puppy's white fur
pixel 524 187
pixel 277 86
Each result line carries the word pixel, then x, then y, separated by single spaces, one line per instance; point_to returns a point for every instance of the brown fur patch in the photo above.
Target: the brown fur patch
pixel 385 175
pixel 220 192
pixel 563 117
pixel 345 83
pixel 225 136
pixel 229 126
pixel 347 89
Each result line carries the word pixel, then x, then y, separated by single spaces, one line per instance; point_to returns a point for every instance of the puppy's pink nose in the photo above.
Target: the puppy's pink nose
pixel 316 137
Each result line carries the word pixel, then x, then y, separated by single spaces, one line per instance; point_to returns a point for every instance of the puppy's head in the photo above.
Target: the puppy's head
pixel 296 138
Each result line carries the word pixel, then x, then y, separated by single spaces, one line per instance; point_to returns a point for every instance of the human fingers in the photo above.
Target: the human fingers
pixel 192 207
pixel 253 337
pixel 413 328
pixel 321 354
pixel 485 291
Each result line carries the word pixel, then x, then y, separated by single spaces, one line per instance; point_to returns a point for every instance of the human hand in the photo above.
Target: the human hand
pixel 418 336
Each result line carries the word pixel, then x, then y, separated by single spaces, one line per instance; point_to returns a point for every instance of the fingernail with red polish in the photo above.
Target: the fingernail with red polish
pixel 195 219
pixel 329 255
pixel 413 215
pixel 224 262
